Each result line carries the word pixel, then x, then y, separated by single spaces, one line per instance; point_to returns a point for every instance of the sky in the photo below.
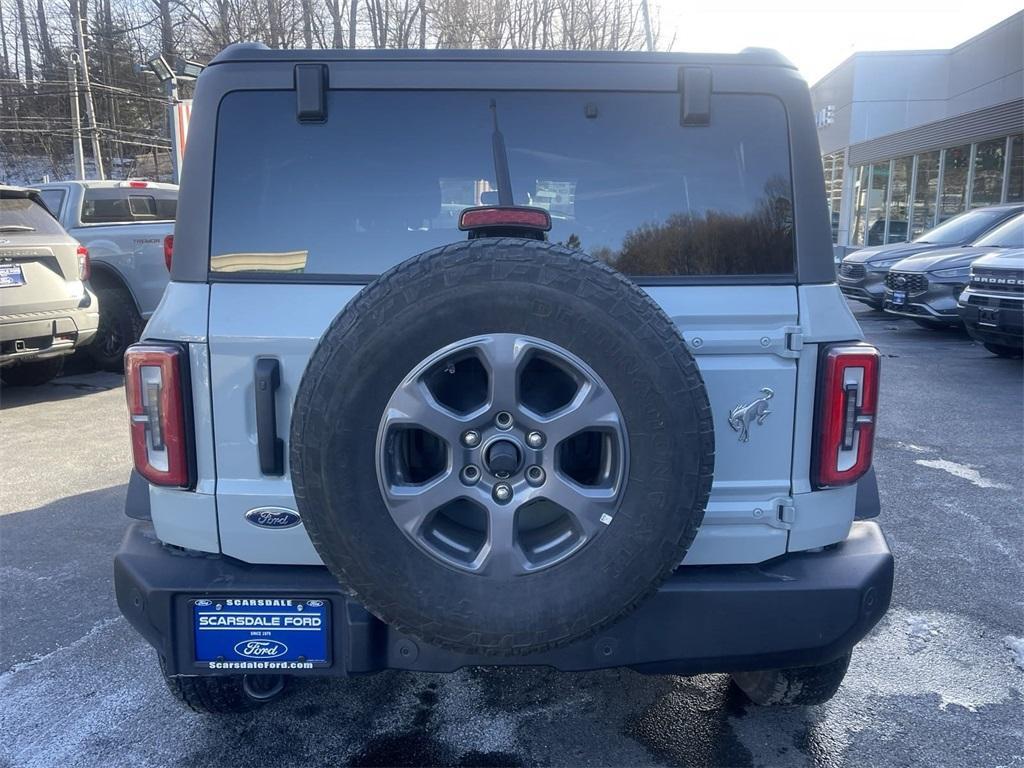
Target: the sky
pixel 817 36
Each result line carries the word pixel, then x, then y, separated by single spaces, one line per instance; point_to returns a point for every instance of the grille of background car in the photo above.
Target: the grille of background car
pixel 998 280
pixel 852 270
pixel 913 282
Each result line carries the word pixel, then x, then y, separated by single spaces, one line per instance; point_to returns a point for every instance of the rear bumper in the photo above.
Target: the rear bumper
pixel 798 610
pixel 47 334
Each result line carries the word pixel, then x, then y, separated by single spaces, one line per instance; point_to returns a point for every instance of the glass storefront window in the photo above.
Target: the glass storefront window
pixel 925 190
pixel 899 199
pixel 987 187
pixel 1015 170
pixel 833 166
pixel 956 163
pixel 860 196
pixel 875 217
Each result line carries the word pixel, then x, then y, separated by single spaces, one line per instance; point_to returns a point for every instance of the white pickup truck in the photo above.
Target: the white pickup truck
pixel 128 228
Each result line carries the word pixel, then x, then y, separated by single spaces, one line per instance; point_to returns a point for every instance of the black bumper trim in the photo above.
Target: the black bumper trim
pixel 797 610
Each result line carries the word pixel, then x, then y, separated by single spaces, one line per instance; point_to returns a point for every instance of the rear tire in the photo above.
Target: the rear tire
pixel 228 695
pixel 1004 350
pixel 33 374
pixel 794 687
pixel 120 327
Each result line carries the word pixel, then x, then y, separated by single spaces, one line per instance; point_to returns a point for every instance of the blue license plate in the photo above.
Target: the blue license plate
pixel 899 297
pixel 261 633
pixel 10 275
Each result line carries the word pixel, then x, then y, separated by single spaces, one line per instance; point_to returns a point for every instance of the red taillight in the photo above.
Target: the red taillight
pixel 168 251
pixel 138 184
pixel 84 265
pixel 847 408
pixel 512 216
pixel 156 407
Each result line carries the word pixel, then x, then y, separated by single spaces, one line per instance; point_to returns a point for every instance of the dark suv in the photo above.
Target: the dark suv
pixel 502 358
pixel 862 273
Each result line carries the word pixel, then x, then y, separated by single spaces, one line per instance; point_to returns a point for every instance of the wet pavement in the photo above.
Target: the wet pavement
pixel 938 683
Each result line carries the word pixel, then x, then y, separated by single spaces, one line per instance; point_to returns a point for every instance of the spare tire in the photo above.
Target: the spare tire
pixel 501 446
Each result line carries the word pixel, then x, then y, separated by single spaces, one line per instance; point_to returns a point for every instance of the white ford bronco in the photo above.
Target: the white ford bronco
pixel 501 358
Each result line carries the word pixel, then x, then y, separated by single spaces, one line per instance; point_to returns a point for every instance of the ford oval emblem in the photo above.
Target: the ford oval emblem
pixel 273 517
pixel 261 649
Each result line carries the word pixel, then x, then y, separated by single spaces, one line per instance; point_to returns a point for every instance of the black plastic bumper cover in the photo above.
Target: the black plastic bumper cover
pixel 797 610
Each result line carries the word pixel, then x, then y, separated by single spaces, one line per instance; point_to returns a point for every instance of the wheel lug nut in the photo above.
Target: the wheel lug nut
pixel 535 440
pixel 535 475
pixel 503 420
pixel 471 438
pixel 470 474
pixel 502 492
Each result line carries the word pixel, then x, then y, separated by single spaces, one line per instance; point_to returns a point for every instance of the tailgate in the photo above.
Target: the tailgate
pixel 740 335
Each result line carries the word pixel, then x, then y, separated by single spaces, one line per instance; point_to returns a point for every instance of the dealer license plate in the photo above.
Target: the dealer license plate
pixel 11 275
pixel 899 298
pixel 261 633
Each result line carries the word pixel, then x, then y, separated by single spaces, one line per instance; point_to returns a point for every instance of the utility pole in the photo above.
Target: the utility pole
pixel 90 110
pixel 647 24
pixel 76 118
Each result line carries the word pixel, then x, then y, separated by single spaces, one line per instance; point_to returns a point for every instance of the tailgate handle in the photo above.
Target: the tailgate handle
pixel 269 445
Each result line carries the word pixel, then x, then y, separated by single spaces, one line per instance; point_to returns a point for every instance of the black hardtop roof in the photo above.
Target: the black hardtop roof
pixel 258 52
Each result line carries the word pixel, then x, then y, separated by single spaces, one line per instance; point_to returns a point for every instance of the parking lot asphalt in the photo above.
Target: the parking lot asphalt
pixel 938 683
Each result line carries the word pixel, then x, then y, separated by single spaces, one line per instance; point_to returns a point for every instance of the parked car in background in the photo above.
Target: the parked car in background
pixel 897 232
pixel 46 309
pixel 926 287
pixel 862 273
pixel 127 227
pixel 992 305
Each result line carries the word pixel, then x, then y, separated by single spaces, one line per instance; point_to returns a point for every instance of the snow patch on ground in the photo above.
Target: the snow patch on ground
pixel 1016 646
pixel 920 628
pixel 913 448
pixel 909 655
pixel 963 471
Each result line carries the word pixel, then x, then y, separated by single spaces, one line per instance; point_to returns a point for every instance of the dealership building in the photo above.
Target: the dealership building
pixel 910 138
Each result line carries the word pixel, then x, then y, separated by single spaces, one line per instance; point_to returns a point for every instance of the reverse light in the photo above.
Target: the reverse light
pixel 156 407
pixel 168 251
pixel 84 265
pixel 847 408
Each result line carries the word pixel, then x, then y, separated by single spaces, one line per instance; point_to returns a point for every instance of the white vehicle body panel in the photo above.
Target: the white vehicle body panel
pixel 744 338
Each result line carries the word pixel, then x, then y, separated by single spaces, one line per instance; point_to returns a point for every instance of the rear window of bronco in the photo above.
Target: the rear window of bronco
pixel 388 172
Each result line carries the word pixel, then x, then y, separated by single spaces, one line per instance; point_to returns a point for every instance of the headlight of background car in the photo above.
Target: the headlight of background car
pixel 882 266
pixel 964 272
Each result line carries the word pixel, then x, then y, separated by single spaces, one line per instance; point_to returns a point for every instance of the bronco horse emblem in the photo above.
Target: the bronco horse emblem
pixel 741 416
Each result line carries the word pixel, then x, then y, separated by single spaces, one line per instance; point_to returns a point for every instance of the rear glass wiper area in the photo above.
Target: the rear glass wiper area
pixel 16 228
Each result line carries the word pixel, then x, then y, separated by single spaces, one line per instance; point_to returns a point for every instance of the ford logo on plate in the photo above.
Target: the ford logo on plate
pixel 273 517
pixel 261 649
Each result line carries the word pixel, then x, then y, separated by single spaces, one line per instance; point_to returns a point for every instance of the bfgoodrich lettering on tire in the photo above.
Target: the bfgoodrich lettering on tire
pixel 501 446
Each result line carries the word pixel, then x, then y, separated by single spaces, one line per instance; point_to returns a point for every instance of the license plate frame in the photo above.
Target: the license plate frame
pixel 989 317
pixel 261 633
pixel 899 298
pixel 11 275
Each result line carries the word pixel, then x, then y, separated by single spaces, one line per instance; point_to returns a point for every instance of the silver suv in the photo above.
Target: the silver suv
pixel 46 307
pixel 502 358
